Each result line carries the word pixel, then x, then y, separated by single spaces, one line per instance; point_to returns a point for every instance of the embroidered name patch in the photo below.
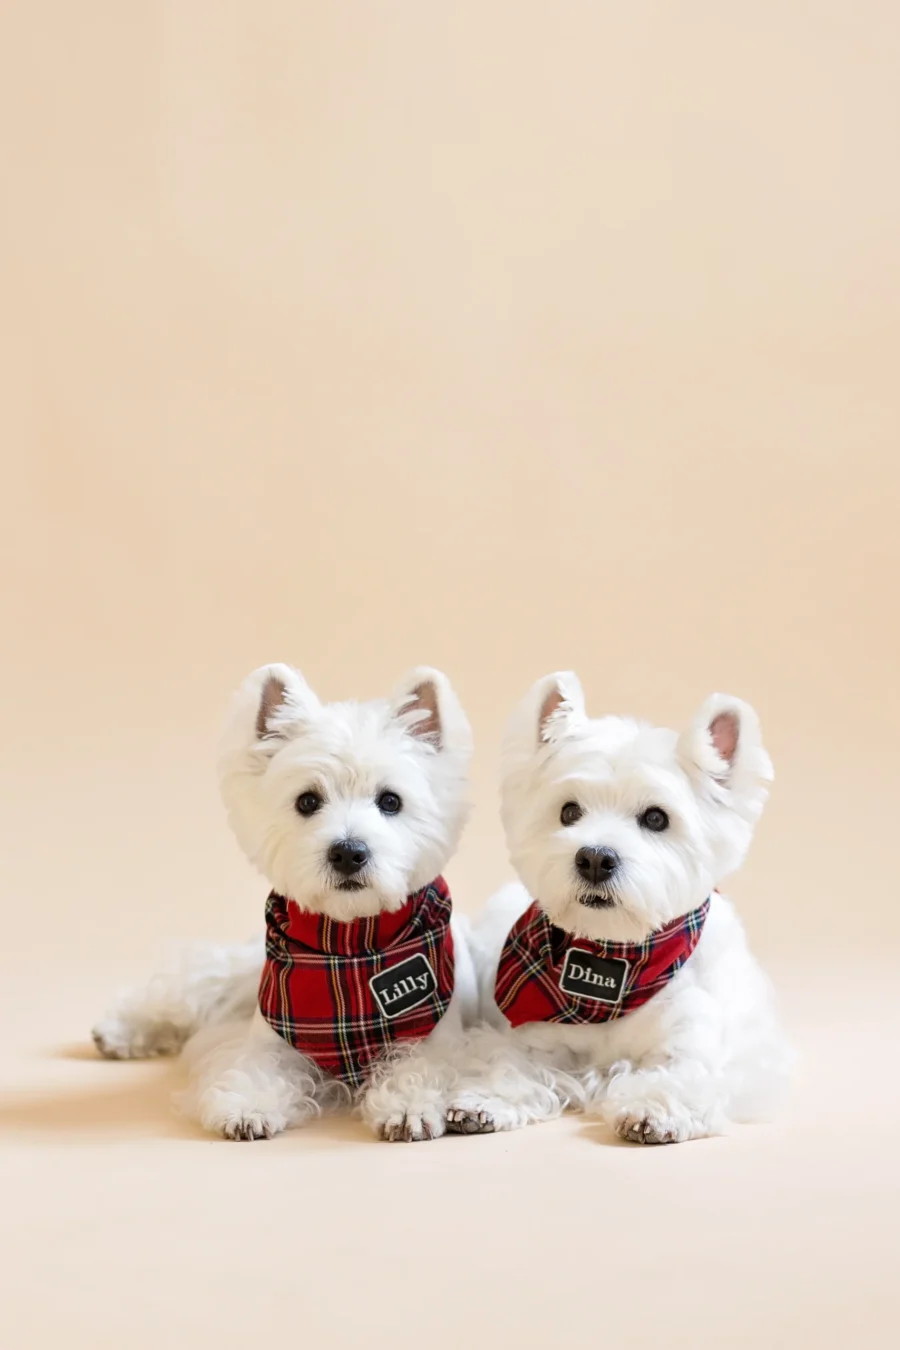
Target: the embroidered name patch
pixel 585 975
pixel 404 986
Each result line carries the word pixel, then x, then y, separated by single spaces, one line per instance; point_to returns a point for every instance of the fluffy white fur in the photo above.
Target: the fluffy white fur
pixel 707 1049
pixel 246 1082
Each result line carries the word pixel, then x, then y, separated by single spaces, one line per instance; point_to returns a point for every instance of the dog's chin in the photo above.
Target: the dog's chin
pixel 349 898
pixel 601 915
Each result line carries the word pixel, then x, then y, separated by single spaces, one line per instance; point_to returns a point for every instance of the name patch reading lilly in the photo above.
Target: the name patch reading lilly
pixel 403 986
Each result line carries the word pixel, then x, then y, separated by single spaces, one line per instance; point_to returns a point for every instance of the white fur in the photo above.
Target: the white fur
pixel 246 1082
pixel 707 1049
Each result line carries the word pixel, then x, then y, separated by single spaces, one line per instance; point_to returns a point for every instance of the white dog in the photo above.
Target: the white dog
pixel 350 811
pixel 625 987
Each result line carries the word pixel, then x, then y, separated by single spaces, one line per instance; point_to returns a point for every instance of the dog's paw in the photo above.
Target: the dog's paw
pixel 246 1125
pixel 411 1127
pixel 461 1121
pixel 652 1123
pixel 120 1038
pixel 224 1111
pixel 471 1114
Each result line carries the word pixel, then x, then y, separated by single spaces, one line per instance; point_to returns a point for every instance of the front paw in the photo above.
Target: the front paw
pixel 228 1114
pixel 411 1127
pixel 653 1123
pixel 462 1121
pixel 471 1113
pixel 247 1125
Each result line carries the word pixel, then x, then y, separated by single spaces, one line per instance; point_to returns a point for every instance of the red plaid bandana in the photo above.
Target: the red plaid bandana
pixel 546 975
pixel 342 992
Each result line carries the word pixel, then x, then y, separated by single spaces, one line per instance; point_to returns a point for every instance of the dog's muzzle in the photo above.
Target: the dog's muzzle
pixel 348 858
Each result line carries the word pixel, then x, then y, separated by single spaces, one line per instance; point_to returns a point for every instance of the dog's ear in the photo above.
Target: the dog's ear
pixel 554 702
pixel 428 708
pixel 269 707
pixel 550 708
pixel 561 699
pixel 722 751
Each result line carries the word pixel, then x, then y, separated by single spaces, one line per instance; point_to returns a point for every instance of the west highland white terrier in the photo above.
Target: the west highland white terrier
pixel 618 979
pixel 365 981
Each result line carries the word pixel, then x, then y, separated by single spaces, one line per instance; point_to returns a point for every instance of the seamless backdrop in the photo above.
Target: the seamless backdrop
pixel 502 337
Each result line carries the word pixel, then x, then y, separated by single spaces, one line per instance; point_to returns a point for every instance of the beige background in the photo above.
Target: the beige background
pixel 499 336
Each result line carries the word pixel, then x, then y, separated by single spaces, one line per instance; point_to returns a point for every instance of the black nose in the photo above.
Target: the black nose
pixel 348 856
pixel 596 864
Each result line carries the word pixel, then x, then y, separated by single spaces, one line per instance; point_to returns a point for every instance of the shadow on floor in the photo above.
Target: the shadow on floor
pixel 129 1099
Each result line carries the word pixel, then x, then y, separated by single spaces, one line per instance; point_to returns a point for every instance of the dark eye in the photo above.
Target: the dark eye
pixel 308 803
pixel 655 819
pixel 388 803
pixel 570 813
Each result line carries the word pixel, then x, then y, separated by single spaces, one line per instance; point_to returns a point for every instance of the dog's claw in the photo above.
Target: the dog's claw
pixel 470 1122
pixel 644 1131
pixel 249 1128
pixel 409 1130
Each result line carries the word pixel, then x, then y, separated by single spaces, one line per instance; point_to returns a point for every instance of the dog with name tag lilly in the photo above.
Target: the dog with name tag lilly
pixel 365 981
pixel 617 979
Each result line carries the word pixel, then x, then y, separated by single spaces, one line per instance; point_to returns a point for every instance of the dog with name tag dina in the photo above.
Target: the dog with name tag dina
pixel 617 979
pixel 364 982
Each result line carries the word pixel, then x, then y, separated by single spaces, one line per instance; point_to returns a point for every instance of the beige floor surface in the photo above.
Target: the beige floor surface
pixel 125 1228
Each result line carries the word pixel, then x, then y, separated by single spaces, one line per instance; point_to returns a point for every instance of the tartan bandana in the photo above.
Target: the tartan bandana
pixel 546 975
pixel 341 993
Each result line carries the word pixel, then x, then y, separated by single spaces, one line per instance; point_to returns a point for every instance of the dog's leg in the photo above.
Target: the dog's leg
pixel 662 1080
pixel 406 1099
pixel 671 1099
pixel 254 1085
pixel 211 983
pixel 664 1103
pixel 503 1086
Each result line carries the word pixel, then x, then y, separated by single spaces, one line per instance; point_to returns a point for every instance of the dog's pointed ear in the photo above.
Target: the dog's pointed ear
pixel 426 704
pixel 560 699
pixel 722 751
pixel 550 708
pixel 270 707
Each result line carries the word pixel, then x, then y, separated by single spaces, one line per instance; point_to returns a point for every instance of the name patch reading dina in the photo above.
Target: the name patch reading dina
pixel 403 986
pixel 588 976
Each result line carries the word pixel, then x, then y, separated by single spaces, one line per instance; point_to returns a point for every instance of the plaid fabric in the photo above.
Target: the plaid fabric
pixel 316 987
pixel 535 954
